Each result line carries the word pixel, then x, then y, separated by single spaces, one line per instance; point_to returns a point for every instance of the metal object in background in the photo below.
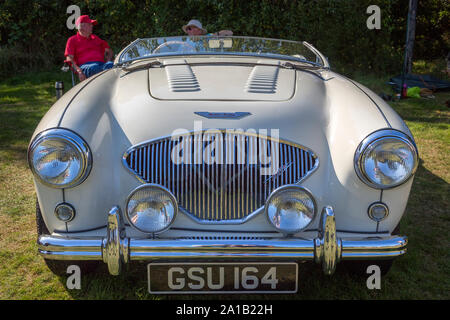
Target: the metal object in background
pixel 59 87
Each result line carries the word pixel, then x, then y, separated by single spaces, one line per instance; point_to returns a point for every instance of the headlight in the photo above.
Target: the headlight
pixel 59 158
pixel 290 209
pixel 386 159
pixel 151 208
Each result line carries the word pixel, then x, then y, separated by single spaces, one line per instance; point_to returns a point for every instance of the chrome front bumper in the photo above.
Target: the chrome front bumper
pixel 116 249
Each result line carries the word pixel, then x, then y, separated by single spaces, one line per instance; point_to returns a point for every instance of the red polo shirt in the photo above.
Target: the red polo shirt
pixel 85 49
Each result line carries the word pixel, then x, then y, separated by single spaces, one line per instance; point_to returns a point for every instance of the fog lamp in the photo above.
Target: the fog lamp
pixel 290 209
pixel 151 208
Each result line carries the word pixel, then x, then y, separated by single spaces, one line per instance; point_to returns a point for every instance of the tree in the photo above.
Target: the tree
pixel 410 35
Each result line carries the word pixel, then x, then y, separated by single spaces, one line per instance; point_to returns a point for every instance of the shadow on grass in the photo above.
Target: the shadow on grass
pixel 428 202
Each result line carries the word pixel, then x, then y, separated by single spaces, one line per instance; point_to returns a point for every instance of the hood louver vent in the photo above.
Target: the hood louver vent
pixel 181 78
pixel 221 79
pixel 262 79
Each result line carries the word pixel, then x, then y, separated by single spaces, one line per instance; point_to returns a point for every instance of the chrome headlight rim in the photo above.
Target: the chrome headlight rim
pixel 284 188
pixel 74 140
pixel 375 137
pixel 370 212
pixel 158 186
pixel 68 206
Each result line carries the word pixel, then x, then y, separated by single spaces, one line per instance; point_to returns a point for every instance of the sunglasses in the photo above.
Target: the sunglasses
pixel 191 28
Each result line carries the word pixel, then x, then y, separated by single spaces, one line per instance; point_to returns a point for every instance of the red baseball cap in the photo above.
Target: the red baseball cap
pixel 85 19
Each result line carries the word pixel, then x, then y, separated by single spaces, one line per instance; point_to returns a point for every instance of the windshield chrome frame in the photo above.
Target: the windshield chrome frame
pixel 308 46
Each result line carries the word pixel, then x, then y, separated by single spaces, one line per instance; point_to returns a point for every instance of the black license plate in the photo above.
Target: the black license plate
pixel 222 277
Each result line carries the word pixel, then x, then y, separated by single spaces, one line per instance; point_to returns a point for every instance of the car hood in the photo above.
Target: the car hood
pixel 261 80
pixel 141 105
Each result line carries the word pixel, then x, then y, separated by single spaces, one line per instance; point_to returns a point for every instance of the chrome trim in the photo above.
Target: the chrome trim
pixel 68 205
pixel 70 248
pixel 328 246
pixel 378 135
pixel 281 189
pixel 124 50
pixel 306 159
pixel 378 203
pixel 193 132
pixel 324 63
pixel 117 249
pixel 157 186
pixel 69 137
pixel 157 57
pixel 65 248
pixel 222 222
pixel 120 62
pixel 223 115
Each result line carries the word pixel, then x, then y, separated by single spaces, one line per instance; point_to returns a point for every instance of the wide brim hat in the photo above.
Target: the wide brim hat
pixel 194 23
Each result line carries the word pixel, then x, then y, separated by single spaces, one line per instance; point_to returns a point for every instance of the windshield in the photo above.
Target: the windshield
pixel 208 45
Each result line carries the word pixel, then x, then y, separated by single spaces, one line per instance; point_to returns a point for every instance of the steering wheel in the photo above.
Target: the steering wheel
pixel 172 46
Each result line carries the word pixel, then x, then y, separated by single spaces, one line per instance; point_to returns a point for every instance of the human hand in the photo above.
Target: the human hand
pixel 81 75
pixel 225 33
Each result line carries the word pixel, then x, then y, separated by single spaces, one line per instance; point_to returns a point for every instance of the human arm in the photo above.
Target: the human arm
pixel 109 54
pixel 76 68
pixel 224 33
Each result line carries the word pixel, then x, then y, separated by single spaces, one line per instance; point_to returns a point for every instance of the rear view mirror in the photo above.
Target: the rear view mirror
pixel 220 43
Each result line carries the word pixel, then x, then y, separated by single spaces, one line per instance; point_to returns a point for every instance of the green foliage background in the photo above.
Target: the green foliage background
pixel 33 33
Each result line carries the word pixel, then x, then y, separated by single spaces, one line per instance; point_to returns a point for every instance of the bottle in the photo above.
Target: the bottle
pixel 59 87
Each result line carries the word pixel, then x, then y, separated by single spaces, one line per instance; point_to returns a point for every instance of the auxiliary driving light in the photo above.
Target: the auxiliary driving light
pixel 290 209
pixel 151 208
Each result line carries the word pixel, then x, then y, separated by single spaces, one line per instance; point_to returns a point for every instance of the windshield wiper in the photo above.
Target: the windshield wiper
pixel 308 69
pixel 143 66
pixel 289 65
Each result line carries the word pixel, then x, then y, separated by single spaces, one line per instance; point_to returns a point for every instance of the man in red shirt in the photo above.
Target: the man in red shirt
pixel 86 51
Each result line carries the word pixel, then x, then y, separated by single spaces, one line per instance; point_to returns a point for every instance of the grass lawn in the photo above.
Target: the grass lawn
pixel 421 274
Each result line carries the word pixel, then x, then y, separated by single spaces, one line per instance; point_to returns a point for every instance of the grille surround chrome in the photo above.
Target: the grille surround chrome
pixel 139 163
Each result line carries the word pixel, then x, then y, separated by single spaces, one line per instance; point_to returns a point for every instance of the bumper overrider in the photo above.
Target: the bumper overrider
pixel 116 249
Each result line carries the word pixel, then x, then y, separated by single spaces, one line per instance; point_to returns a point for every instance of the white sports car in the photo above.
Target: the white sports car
pixel 223 162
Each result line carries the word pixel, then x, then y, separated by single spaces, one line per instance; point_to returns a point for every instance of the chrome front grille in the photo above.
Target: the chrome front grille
pixel 220 176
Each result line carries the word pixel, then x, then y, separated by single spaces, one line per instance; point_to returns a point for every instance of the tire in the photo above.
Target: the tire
pixel 59 267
